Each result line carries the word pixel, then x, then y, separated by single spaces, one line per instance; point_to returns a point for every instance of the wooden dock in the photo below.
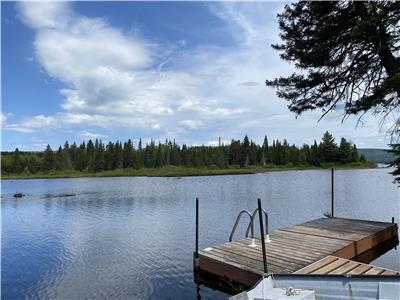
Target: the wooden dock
pixel 332 265
pixel 323 246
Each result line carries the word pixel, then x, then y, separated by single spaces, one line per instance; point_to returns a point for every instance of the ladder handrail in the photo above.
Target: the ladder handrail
pixel 237 222
pixel 252 220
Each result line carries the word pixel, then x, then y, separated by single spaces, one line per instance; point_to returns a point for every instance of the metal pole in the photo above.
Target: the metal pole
pixel 395 248
pixel 332 194
pixel 262 235
pixel 197 227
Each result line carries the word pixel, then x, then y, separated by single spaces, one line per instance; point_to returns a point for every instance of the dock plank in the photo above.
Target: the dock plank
pixel 323 246
pixel 332 265
pixel 361 269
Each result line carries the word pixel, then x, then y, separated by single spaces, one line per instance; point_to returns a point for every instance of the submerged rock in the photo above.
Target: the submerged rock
pixel 18 195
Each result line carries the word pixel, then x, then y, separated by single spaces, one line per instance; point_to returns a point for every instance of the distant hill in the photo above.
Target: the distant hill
pixel 377 155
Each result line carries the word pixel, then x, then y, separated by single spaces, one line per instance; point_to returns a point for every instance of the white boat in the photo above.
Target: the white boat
pixel 268 289
pixel 306 287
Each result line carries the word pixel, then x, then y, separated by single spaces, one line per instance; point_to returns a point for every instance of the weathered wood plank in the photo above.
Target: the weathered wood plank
pixel 323 246
pixel 360 270
pixel 332 234
pixel 317 265
pixel 374 271
pixel 230 271
pixel 297 236
pixel 330 267
pixel 297 251
pixel 274 254
pixel 242 256
pixel 346 268
pixel 305 241
pixel 390 272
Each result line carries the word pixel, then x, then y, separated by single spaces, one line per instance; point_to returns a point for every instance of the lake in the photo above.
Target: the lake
pixel 134 237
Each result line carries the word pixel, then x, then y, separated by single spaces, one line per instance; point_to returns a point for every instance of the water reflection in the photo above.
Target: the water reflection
pixel 134 237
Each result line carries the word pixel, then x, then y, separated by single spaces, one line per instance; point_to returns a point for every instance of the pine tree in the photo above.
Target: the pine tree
pixel 96 157
pixel 17 162
pixel 355 157
pixel 128 154
pixel 345 51
pixel 99 162
pixel 90 156
pixel 80 161
pixel 265 154
pixel 345 151
pixel 245 149
pixel 48 162
pixel 67 157
pixel 234 152
pixel 59 160
pixel 396 162
pixel 328 148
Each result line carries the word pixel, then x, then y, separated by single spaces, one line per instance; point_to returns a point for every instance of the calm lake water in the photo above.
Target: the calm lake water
pixel 133 238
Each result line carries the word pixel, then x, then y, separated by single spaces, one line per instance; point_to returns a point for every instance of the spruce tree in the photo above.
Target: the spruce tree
pixel 345 151
pixel 128 154
pixel 328 148
pixel 48 159
pixel 59 159
pixel 265 154
pixel 17 165
pixel 396 162
pixel 245 149
pixel 345 51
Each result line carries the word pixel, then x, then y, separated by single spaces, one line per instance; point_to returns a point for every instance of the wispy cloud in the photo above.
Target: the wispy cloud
pixel 191 124
pixel 87 135
pixel 113 82
pixel 30 124
pixel 115 79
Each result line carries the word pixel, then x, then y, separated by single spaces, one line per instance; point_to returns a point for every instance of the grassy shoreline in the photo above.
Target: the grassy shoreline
pixel 172 171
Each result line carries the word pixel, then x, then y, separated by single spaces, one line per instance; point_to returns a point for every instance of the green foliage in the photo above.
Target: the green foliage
pixel 396 163
pixel 349 50
pixel 346 51
pixel 49 160
pixel 97 157
pixel 328 148
pixel 345 151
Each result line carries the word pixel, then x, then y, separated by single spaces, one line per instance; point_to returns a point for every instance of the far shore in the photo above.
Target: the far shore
pixel 173 171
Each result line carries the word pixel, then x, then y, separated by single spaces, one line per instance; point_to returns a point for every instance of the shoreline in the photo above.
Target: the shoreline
pixel 172 171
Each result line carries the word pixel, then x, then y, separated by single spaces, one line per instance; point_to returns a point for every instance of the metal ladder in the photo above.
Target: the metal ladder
pixel 250 227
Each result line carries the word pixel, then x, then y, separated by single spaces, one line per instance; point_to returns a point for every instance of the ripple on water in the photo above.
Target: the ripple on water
pixel 133 238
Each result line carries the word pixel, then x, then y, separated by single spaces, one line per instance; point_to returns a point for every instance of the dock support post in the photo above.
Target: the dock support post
pixel 262 236
pixel 395 247
pixel 332 193
pixel 197 227
pixel 196 253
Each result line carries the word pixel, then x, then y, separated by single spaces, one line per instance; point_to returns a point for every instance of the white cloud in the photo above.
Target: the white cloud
pixel 50 14
pixel 18 128
pixel 87 135
pixel 110 75
pixel 216 143
pixel 3 119
pixel 115 79
pixel 30 124
pixel 118 84
pixel 191 124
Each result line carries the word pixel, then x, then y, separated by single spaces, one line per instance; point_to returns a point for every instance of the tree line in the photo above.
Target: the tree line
pixel 96 156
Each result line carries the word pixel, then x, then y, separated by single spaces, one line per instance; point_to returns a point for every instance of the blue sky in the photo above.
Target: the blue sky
pixel 192 71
